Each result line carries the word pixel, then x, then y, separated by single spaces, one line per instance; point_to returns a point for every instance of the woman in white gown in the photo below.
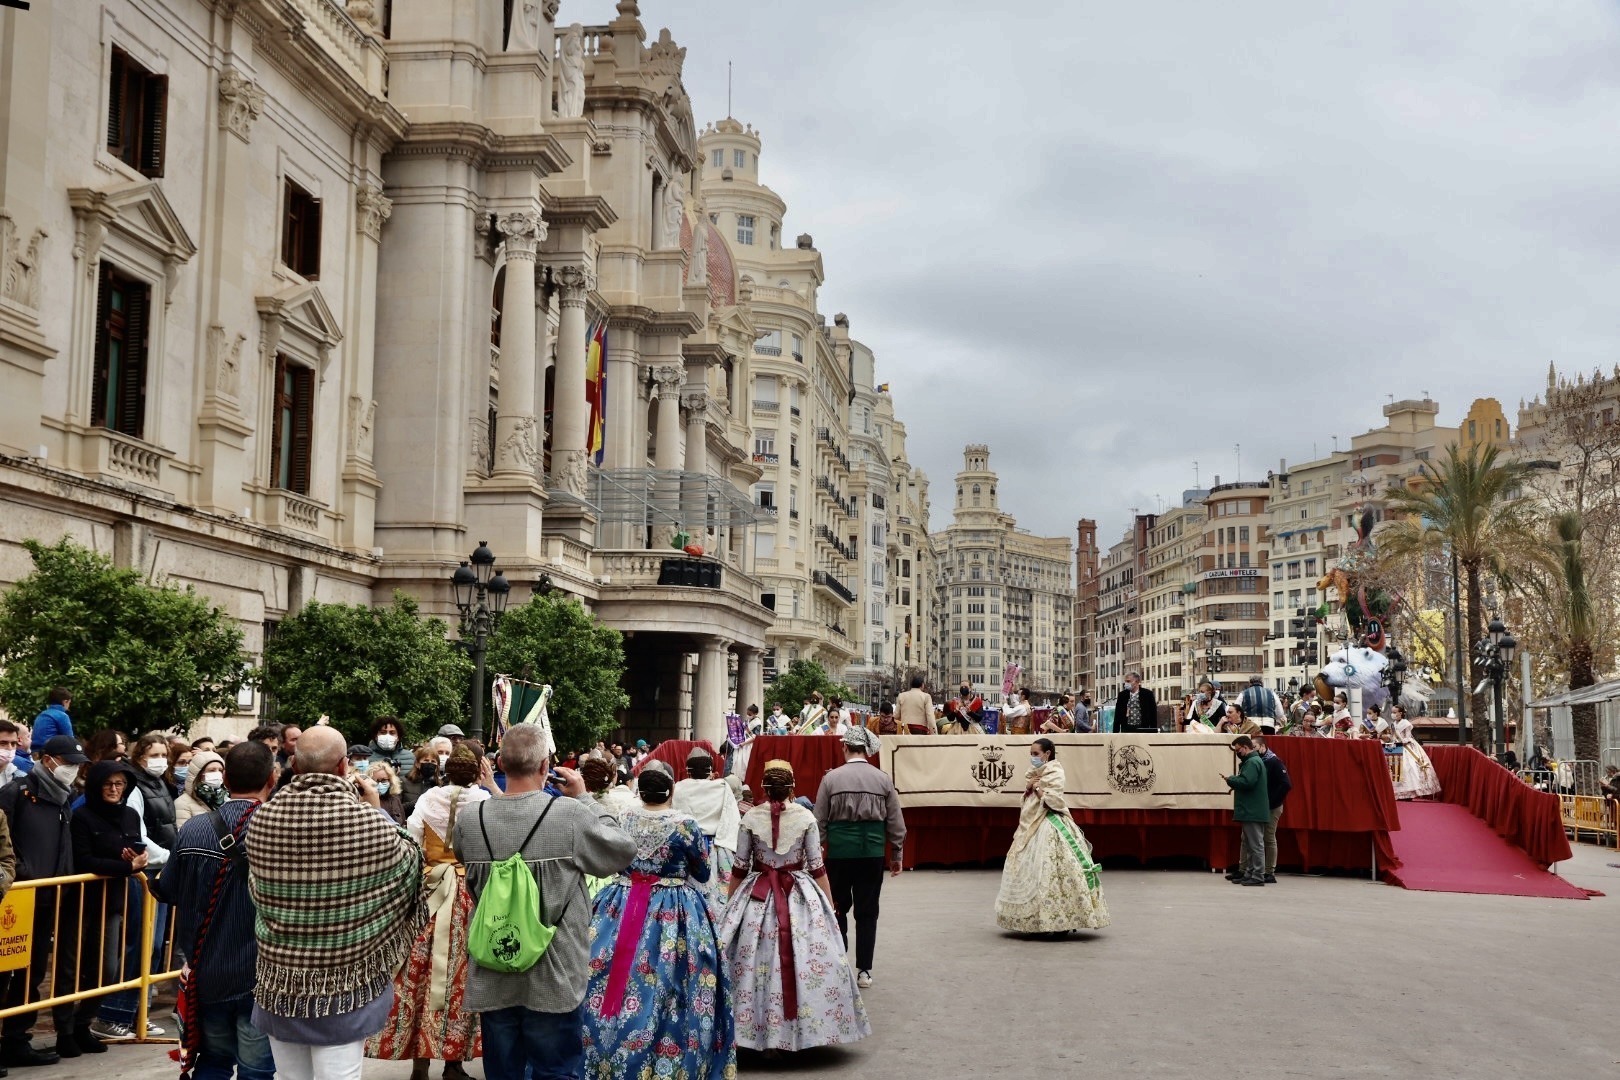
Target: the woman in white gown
pixel 1418 779
pixel 1050 884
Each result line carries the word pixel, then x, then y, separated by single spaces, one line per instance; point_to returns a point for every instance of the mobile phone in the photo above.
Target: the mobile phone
pixel 554 778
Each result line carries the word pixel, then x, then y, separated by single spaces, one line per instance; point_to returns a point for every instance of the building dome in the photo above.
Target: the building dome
pixel 722 271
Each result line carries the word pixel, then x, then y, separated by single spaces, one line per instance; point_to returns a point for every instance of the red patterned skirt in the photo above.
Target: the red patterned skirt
pixel 413 1031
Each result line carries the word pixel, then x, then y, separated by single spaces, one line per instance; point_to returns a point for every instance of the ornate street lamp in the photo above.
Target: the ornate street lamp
pixel 481 593
pixel 1495 655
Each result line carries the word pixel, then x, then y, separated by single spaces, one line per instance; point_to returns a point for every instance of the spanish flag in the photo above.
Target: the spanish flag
pixel 596 391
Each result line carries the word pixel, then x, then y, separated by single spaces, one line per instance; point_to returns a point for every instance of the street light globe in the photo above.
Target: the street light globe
pixel 1497 629
pixel 1508 647
pixel 483 560
pixel 499 590
pixel 463 583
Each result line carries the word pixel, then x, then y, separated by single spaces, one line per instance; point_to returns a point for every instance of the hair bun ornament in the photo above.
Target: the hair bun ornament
pixel 778 765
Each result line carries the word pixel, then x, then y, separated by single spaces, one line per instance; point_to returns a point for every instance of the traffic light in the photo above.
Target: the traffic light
pixel 1296 628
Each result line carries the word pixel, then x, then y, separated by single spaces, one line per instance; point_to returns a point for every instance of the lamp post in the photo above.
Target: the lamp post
pixel 1496 654
pixel 1394 673
pixel 481 592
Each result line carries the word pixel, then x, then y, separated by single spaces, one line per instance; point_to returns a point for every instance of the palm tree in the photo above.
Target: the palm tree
pixel 1574 606
pixel 1469 504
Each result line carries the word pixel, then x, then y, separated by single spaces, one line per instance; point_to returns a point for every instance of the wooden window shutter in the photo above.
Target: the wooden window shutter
pixel 131 418
pixel 115 105
pixel 277 407
pixel 98 383
pixel 155 106
pixel 303 427
pixel 312 238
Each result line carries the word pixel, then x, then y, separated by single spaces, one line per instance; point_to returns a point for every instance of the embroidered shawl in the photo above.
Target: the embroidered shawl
pixel 1043 795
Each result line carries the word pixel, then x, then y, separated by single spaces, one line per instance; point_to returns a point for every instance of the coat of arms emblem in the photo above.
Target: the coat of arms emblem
pixel 991 772
pixel 1130 768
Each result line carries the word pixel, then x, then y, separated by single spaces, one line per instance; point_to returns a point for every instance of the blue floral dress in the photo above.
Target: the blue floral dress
pixel 657 1004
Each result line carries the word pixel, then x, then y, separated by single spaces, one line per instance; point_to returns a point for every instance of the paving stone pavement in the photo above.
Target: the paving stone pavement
pixel 1324 978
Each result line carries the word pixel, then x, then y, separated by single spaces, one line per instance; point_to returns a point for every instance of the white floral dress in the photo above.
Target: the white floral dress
pixel 1050 883
pixel 818 1005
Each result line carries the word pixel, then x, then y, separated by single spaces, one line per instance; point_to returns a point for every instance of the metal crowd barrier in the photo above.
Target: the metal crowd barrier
pixel 83 954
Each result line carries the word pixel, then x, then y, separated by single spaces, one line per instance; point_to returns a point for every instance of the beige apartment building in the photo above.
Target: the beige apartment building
pixel 1087 562
pixel 1307 529
pixel 1006 595
pixel 1229 615
pixel 1116 598
pixel 1166 589
pixel 299 301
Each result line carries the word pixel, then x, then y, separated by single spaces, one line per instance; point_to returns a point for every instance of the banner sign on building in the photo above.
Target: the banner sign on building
pixel 1102 772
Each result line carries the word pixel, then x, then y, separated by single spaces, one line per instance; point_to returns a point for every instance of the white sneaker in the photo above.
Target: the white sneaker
pixel 153 1031
pixel 863 979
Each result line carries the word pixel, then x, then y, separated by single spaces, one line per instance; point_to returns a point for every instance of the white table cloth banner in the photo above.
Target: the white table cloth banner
pixel 1103 772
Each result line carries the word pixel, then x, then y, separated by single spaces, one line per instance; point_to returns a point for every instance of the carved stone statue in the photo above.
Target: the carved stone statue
pixel 674 210
pixel 697 272
pixel 524 34
pixel 571 73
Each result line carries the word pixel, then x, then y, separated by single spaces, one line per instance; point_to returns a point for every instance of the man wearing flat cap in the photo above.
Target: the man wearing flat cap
pixel 858 811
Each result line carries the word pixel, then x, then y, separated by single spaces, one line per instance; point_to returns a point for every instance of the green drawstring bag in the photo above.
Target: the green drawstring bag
pixel 508 933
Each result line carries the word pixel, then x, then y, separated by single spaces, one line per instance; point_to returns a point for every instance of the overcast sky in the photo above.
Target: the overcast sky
pixel 1113 239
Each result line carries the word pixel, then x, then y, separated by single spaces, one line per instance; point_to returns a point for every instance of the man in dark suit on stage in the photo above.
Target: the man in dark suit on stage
pixel 1136 710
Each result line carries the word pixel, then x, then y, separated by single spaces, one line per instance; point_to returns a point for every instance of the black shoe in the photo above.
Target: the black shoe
pixel 66 1047
pixel 1253 881
pixel 26 1057
pixel 1234 877
pixel 86 1041
pixel 1271 879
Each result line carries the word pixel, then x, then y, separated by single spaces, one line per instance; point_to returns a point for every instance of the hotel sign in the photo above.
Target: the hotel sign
pixel 1250 572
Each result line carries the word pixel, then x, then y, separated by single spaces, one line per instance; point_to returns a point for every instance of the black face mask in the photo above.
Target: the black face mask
pixel 430 769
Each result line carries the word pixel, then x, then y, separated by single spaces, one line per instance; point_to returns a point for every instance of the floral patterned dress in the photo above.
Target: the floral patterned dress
pixel 792 990
pixel 657 1003
pixel 1049 884
pixel 427 1020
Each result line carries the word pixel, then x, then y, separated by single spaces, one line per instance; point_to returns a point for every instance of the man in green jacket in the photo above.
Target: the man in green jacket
pixel 1251 808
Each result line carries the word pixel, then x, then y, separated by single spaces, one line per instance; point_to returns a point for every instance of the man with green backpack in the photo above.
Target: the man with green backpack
pixel 527 855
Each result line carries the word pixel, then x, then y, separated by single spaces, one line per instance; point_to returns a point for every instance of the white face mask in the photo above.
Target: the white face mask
pixel 1036 761
pixel 213 779
pixel 387 742
pixel 156 766
pixel 382 787
pixel 7 755
pixel 443 760
pixel 66 774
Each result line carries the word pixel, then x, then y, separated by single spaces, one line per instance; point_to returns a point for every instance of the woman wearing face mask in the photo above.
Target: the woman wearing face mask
pixel 180 755
pixel 106 841
pixel 204 787
pixel 388 744
pixel 1207 710
pixel 389 790
pixel 1050 884
pixel 151 799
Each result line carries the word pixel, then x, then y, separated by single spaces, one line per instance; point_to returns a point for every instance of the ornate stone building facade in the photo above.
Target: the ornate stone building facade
pixel 304 298
pixel 1005 595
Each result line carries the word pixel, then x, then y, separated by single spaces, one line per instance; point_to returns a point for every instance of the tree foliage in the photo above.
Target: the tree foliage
pixel 354 663
pixel 1471 503
pixel 553 639
pixel 133 654
pixel 797 683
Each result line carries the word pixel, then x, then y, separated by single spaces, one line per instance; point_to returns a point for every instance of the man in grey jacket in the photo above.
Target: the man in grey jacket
pixel 532 1022
pixel 858 811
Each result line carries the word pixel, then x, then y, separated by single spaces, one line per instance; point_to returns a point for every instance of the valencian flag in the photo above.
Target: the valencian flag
pixel 596 390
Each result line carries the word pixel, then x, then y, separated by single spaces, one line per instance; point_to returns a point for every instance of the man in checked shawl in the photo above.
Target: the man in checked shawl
pixel 338 888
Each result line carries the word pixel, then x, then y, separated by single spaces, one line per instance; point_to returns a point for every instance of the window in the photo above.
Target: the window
pixel 766 495
pixel 1243 534
pixel 738 159
pixel 798 347
pixel 764 441
pixel 301 232
pixel 137 104
pixel 292 423
pixel 719 159
pixel 119 386
pixel 770 344
pixel 745 228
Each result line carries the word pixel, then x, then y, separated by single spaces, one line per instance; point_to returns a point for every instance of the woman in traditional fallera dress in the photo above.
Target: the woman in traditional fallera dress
pixel 792 986
pixel 657 1003
pixel 1418 779
pixel 427 1022
pixel 1050 884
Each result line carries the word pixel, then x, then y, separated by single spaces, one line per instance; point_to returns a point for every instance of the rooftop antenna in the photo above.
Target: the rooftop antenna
pixel 1237 448
pixel 728 89
pixel 1196 484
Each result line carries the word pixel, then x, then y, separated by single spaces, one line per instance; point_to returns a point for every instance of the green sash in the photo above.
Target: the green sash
pixel 1062 823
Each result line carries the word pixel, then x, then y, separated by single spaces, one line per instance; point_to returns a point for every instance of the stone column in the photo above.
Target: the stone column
pixel 709 704
pixel 750 679
pixel 696 499
pixel 517 430
pixel 570 417
pixel 667 448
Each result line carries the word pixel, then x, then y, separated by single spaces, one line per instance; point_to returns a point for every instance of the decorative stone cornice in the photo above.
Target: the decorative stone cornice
pixel 592 212
pixel 523 231
pixel 668 380
pixel 574 283
pixel 372 208
pixel 241 101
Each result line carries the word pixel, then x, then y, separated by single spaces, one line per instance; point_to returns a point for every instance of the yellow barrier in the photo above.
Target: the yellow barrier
pixel 64 899
pixel 1590 813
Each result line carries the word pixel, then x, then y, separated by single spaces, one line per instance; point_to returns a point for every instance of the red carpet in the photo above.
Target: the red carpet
pixel 1444 848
